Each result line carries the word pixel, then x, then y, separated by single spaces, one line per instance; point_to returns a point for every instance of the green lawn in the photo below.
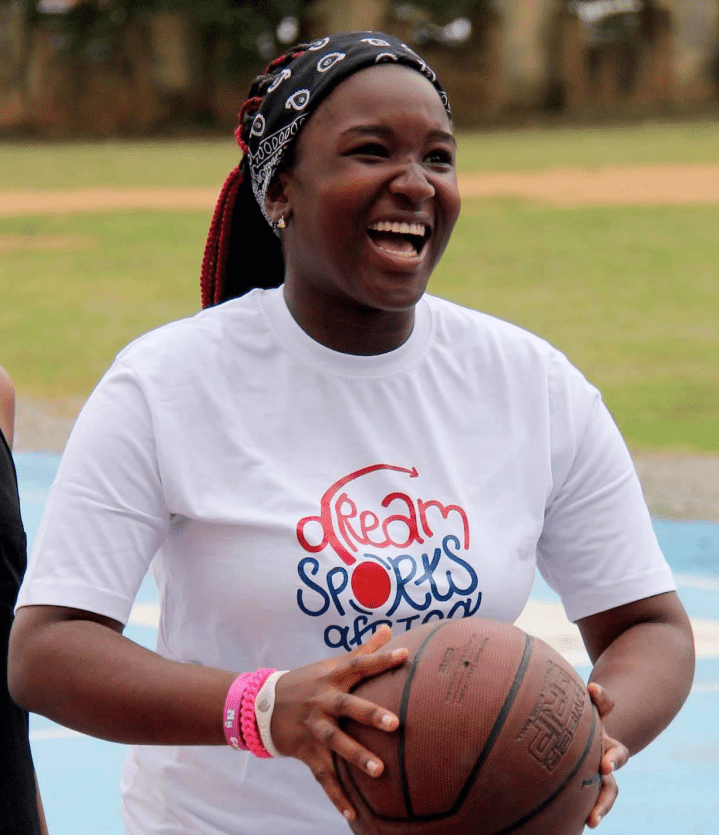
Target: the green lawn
pixel 644 144
pixel 630 293
pixel 73 308
pixel 205 162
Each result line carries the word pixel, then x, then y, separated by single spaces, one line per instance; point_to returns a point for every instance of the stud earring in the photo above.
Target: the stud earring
pixel 282 223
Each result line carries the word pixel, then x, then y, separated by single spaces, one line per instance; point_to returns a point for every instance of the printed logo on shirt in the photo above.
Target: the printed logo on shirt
pixel 396 556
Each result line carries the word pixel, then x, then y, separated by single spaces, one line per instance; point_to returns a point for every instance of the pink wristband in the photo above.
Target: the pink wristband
pixel 248 721
pixel 232 715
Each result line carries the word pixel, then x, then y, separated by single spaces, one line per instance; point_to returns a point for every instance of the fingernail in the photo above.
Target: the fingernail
pixel 387 720
pixel 347 814
pixel 398 653
pixel 373 767
pixel 599 819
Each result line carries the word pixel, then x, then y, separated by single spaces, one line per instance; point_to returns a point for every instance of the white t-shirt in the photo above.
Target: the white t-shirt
pixel 291 498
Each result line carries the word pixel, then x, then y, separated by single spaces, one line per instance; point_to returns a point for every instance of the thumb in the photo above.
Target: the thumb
pixel 602 700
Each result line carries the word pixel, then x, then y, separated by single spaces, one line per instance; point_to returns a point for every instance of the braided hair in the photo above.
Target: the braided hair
pixel 242 251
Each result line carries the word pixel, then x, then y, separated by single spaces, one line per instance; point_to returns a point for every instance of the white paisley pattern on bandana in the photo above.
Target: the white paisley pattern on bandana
pixel 299 87
pixel 283 76
pixel 329 61
pixel 298 100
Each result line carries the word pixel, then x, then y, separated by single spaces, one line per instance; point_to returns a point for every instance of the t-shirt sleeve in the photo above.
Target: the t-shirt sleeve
pixel 106 516
pixel 598 549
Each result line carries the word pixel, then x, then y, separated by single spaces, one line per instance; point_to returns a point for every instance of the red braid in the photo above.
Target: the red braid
pixel 212 275
pixel 250 106
pixel 283 60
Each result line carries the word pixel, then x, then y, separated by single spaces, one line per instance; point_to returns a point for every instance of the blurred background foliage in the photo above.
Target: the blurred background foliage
pixel 91 28
pixel 250 30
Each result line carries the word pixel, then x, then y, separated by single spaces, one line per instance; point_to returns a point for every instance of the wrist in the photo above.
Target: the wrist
pixel 264 708
pixel 242 729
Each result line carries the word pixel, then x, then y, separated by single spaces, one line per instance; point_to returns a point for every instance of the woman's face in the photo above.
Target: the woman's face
pixel 371 198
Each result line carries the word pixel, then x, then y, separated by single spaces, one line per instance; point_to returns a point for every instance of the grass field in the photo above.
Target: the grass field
pixel 630 293
pixel 205 162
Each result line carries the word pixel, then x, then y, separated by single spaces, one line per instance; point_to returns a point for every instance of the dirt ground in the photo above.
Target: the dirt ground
pixel 676 485
pixel 572 186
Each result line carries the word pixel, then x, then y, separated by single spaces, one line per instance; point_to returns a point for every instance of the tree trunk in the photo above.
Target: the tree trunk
pixel 325 17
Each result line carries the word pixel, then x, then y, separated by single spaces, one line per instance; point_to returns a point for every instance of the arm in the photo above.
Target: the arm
pixel 40 810
pixel 643 656
pixel 7 427
pixel 77 668
pixel 7 407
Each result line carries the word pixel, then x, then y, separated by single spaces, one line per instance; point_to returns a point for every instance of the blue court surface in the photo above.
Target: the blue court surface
pixel 670 788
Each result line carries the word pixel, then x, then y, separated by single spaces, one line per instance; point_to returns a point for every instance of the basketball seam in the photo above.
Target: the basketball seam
pixel 499 723
pixel 491 739
pixel 404 704
pixel 552 797
pixel 411 817
pixel 400 741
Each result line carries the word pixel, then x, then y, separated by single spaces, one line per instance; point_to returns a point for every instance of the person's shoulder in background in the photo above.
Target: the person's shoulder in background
pixel 7 406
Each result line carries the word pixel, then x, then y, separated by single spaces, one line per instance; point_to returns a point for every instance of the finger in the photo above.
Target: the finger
pixel 324 773
pixel 349 749
pixel 363 666
pixel 602 700
pixel 349 671
pixel 607 795
pixel 362 711
pixel 615 756
pixel 378 639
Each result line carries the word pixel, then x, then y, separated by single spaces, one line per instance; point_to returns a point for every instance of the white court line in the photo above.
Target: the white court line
pixel 706 687
pixel 689 581
pixel 54 732
pixel 36 496
pixel 145 614
pixel 57 732
pixel 543 618
pixel 546 620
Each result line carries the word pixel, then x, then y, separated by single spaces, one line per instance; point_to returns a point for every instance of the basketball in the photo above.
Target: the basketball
pixel 497 735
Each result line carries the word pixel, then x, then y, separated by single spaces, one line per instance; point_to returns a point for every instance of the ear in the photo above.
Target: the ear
pixel 277 202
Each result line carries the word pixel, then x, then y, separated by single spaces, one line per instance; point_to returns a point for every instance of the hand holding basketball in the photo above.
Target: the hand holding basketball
pixel 311 700
pixel 615 756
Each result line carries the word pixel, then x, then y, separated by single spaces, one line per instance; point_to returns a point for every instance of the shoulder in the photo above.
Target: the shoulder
pixel 507 347
pixel 466 323
pixel 7 406
pixel 196 340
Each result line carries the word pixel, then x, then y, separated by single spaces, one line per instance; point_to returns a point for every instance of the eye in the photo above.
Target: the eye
pixel 440 156
pixel 370 149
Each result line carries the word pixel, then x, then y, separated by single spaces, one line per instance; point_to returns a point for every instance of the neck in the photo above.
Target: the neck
pixel 360 331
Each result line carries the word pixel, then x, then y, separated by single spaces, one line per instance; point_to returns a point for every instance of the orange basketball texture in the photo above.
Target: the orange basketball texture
pixel 497 735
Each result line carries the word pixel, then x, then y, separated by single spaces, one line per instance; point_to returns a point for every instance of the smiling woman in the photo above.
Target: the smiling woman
pixel 324 452
pixel 369 206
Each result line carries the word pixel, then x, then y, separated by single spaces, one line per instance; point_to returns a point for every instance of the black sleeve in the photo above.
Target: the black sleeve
pixel 18 802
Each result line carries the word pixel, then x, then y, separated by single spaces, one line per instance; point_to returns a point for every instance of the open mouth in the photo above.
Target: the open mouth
pixel 405 240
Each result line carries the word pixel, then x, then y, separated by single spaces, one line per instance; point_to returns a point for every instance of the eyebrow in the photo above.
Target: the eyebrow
pixel 384 130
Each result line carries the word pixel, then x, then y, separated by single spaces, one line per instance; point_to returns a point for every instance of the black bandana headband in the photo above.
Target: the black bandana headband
pixel 301 85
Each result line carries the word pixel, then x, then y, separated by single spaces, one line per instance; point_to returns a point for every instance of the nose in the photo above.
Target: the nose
pixel 411 182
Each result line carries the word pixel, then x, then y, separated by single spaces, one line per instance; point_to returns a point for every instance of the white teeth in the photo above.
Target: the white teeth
pixel 399 228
